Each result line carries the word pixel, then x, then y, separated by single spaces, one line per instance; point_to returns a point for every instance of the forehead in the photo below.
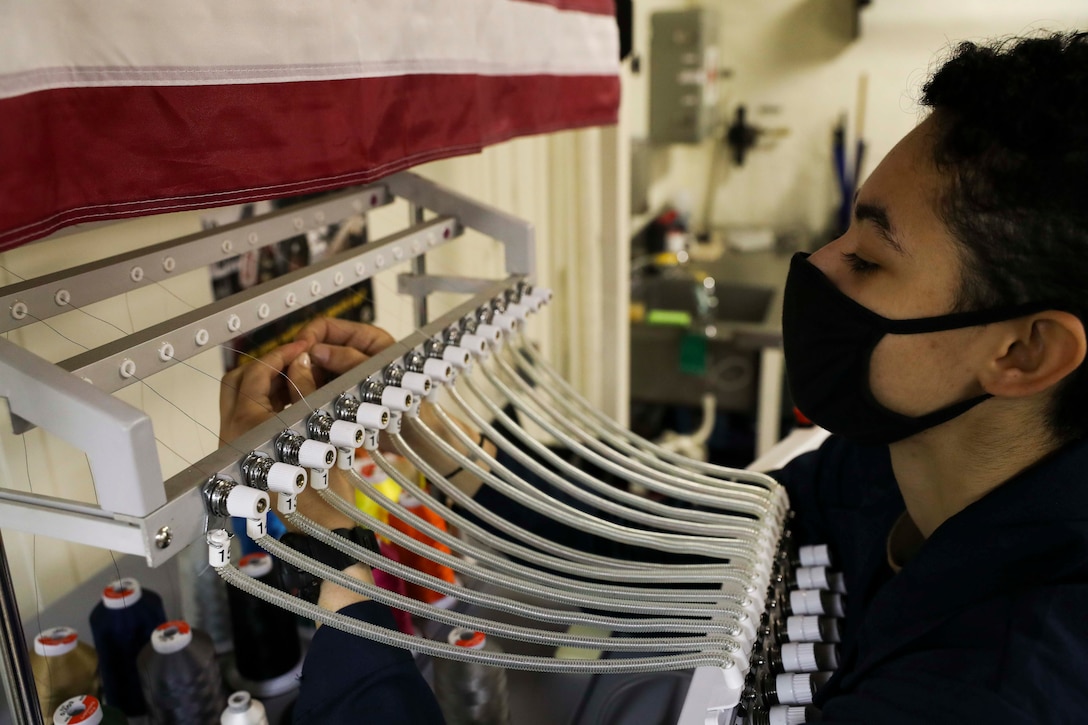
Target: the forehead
pixel 908 186
pixel 907 181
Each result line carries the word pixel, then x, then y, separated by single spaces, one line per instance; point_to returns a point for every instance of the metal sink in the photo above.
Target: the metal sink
pixel 739 303
pixel 731 317
pixel 704 299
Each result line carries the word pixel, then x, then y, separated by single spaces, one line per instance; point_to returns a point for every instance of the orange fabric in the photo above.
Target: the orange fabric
pixel 422 563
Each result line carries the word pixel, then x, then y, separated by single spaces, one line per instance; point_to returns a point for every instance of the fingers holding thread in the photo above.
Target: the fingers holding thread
pixel 300 375
pixel 252 393
pixel 367 339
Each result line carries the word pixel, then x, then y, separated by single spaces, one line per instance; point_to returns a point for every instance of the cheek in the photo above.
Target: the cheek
pixel 917 374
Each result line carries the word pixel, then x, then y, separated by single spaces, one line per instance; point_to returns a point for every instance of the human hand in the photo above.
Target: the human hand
pixel 254 392
pixel 337 346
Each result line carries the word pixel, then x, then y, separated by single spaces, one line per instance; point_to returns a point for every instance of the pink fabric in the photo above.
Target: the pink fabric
pixel 394 584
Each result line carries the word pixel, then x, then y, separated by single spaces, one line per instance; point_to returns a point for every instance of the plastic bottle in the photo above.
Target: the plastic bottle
pixel 121 624
pixel 242 709
pixel 63 667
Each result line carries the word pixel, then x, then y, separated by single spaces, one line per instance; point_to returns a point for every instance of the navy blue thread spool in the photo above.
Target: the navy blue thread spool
pixel 121 624
pixel 180 676
pixel 267 651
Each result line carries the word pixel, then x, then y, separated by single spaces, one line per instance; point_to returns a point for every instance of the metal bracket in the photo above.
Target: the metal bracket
pixel 117 438
pixel 516 234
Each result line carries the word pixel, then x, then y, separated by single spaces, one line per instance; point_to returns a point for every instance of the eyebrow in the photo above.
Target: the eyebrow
pixel 878 215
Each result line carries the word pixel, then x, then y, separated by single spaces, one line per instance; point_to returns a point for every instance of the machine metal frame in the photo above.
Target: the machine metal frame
pixel 138 513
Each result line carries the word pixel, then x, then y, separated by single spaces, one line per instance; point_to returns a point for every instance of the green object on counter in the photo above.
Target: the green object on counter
pixel 693 355
pixel 677 318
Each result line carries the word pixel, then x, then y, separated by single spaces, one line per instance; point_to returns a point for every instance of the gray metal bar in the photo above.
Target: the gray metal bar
pixel 22 693
pixel 117 438
pixel 43 297
pixel 413 284
pixel 516 234
pixel 419 267
pixel 132 358
pixel 48 516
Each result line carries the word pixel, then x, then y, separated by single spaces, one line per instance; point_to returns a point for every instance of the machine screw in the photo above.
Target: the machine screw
pixel 163 537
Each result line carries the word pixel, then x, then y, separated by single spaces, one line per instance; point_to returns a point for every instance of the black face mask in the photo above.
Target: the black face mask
pixel 828 340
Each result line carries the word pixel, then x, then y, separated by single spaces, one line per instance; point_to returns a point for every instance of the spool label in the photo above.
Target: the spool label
pixel 180 625
pixel 119 589
pixel 256 565
pixel 58 636
pixel 170 637
pixel 82 709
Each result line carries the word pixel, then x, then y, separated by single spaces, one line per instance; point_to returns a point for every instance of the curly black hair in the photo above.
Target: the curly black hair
pixel 1012 120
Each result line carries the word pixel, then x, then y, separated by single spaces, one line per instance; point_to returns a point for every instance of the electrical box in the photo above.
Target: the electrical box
pixel 684 67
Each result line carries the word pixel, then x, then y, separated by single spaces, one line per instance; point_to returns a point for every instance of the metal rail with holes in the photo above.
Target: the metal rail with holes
pixel 139 513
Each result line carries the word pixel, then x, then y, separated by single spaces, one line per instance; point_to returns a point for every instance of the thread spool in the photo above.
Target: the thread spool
pixel 121 624
pixel 422 563
pixel 180 676
pixel 63 667
pixel 204 597
pixel 242 709
pixel 87 710
pixel 267 651
pixel 471 693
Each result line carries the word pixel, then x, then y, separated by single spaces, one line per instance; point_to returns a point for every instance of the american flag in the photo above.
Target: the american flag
pixel 126 107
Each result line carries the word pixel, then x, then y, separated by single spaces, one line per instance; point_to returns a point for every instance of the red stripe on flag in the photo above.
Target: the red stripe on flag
pixel 597 7
pixel 89 154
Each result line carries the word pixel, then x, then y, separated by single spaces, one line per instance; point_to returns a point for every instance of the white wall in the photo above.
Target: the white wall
pixel 790 55
pixel 45 570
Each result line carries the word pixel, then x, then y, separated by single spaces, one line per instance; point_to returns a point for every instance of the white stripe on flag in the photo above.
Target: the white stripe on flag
pixel 68 43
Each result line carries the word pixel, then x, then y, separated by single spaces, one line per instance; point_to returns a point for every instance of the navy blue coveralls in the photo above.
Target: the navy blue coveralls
pixel 988 623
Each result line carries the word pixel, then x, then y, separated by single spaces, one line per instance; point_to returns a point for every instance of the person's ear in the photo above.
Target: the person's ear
pixel 1036 353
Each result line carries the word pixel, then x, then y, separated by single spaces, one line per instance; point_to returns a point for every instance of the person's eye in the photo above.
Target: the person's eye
pixel 859 265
